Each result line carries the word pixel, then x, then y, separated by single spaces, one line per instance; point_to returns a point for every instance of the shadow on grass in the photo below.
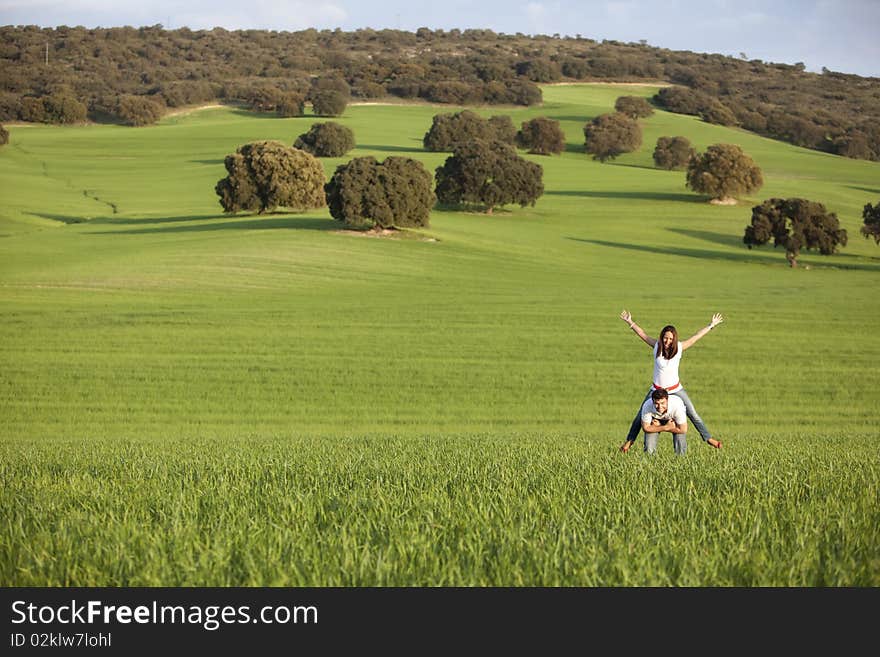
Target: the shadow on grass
pixel 578 149
pixel 736 241
pixel 708 236
pixel 63 218
pixel 865 189
pixel 473 208
pixel 746 257
pixel 254 114
pixel 211 162
pixel 385 148
pixel 648 196
pixel 637 166
pixel 266 222
pixel 579 119
pixel 145 221
pixel 704 254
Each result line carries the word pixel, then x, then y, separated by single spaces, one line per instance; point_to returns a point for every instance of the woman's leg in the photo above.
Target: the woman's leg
pixel 636 425
pixel 692 414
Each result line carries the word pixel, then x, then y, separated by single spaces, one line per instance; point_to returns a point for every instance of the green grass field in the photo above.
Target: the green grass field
pixel 189 398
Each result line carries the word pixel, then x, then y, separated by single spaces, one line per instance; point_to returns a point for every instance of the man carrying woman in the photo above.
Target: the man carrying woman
pixel 667 352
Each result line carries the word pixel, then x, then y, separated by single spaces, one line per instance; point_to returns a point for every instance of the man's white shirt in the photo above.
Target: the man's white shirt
pixel 675 410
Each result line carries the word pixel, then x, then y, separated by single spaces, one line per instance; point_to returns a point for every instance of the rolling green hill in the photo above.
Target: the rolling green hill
pixel 162 362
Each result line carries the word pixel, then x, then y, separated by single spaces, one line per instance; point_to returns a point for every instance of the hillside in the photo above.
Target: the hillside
pixel 106 212
pixel 195 399
pixel 135 75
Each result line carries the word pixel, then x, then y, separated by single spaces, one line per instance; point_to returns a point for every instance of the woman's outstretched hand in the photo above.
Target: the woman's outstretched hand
pixel 716 320
pixel 626 317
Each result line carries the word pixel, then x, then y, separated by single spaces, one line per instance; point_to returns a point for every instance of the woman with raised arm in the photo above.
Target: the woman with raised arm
pixel 667 356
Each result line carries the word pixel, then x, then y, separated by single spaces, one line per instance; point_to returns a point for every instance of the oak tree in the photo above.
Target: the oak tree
pixel 795 224
pixel 264 175
pixel 328 139
pixel 723 172
pixel 609 135
pixel 489 174
pixel 542 136
pixel 365 193
pixel 673 152
pixel 635 107
pixel 871 218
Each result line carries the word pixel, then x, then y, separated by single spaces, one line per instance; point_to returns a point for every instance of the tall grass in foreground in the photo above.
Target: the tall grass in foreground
pixel 467 510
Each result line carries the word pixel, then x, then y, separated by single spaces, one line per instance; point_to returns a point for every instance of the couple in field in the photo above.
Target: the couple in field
pixel 667 406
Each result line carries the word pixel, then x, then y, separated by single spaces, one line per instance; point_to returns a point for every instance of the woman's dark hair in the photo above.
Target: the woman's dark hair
pixel 668 354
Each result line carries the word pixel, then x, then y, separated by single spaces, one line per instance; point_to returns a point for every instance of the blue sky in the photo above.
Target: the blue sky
pixel 840 35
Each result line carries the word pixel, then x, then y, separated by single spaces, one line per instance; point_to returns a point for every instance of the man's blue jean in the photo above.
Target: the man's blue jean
pixel 679 443
pixel 692 415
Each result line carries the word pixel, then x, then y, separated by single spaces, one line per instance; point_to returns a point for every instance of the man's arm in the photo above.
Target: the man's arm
pixel 669 426
pixel 677 428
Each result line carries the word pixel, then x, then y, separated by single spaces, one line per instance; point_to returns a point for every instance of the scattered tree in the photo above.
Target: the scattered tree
pixel 609 135
pixel 291 104
pixel 501 128
pixel 682 100
pixel 523 92
pixel 871 217
pixel 4 136
pixel 717 113
pixel 329 102
pixel 832 112
pixel 33 109
pixel 723 172
pixel 795 224
pixel 542 136
pixel 673 152
pixel 634 107
pixel 449 129
pixel 264 175
pixel 450 91
pixel 368 89
pixel 488 173
pixel 262 98
pixel 395 193
pixel 64 107
pixel 854 144
pixel 138 110
pixel 539 70
pixel 326 140
pixel 331 82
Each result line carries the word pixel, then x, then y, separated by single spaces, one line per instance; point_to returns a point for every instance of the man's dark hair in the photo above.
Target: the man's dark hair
pixel 659 393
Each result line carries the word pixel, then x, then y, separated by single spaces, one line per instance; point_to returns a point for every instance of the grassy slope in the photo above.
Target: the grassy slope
pixel 167 320
pixel 280 322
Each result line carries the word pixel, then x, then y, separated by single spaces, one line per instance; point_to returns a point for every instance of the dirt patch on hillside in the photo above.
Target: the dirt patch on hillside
pixel 189 110
pixel 723 201
pixel 386 233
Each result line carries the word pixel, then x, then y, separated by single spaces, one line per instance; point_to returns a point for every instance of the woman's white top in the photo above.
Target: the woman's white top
pixel 666 371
